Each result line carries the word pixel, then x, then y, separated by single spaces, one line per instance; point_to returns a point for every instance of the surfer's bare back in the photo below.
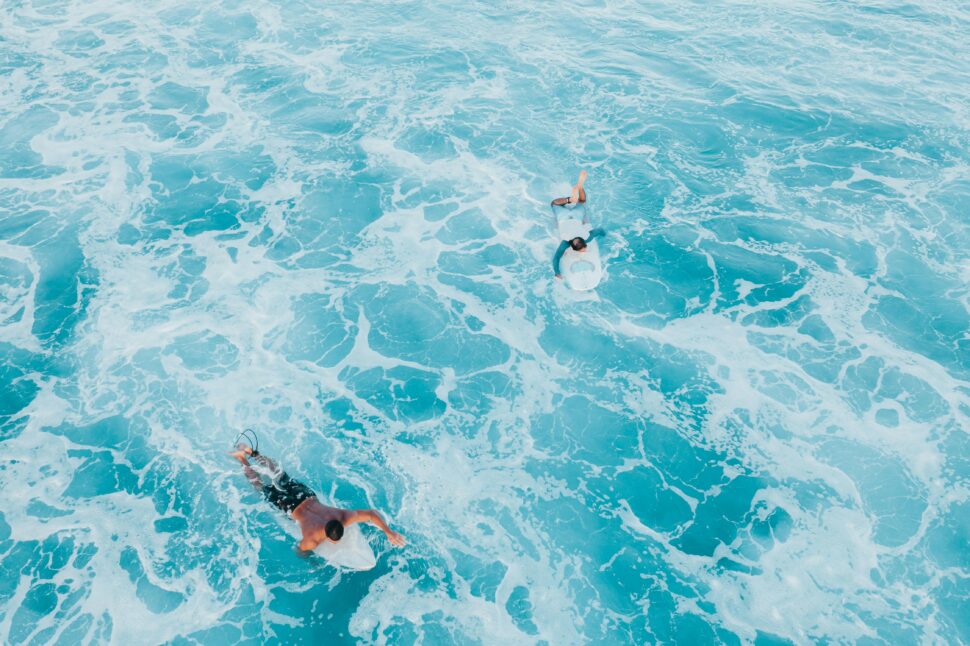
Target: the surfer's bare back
pixel 318 522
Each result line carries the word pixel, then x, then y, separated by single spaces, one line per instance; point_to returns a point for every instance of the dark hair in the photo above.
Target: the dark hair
pixel 577 244
pixel 334 529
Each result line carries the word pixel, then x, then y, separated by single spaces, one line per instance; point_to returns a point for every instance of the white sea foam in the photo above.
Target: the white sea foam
pixel 665 103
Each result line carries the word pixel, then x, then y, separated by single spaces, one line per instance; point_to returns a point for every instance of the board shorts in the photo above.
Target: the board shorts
pixel 287 493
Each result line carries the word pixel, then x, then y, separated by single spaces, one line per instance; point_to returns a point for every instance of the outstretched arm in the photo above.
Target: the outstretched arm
pixel 555 259
pixel 373 517
pixel 598 232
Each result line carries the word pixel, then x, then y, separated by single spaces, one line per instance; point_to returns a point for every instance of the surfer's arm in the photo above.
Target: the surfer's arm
pixel 559 252
pixel 308 543
pixel 373 517
pixel 596 233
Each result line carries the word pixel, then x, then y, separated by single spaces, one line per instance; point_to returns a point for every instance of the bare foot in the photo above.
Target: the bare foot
pixel 574 198
pixel 242 452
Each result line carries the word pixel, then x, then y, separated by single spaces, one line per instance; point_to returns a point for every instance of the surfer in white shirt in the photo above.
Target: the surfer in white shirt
pixel 580 227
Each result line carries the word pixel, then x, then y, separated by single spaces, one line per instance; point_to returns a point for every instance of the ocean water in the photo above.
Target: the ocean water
pixel 329 222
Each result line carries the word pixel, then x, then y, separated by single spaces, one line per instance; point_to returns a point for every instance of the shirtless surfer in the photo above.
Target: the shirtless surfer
pixel 318 522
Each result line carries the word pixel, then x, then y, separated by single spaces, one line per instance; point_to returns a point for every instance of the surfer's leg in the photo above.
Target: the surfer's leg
pixel 253 478
pixel 248 470
pixel 268 463
pixel 243 450
pixel 579 193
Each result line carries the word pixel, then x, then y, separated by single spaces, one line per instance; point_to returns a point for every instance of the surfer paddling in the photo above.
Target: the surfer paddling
pixel 318 522
pixel 578 231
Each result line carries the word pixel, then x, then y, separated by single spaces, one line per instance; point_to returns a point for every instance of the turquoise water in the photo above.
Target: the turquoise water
pixel 331 224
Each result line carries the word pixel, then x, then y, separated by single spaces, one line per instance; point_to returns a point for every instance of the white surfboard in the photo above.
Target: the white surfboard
pixel 352 551
pixel 581 270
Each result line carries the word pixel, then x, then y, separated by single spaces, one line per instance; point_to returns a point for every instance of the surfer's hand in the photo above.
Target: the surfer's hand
pixel 396 539
pixel 559 276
